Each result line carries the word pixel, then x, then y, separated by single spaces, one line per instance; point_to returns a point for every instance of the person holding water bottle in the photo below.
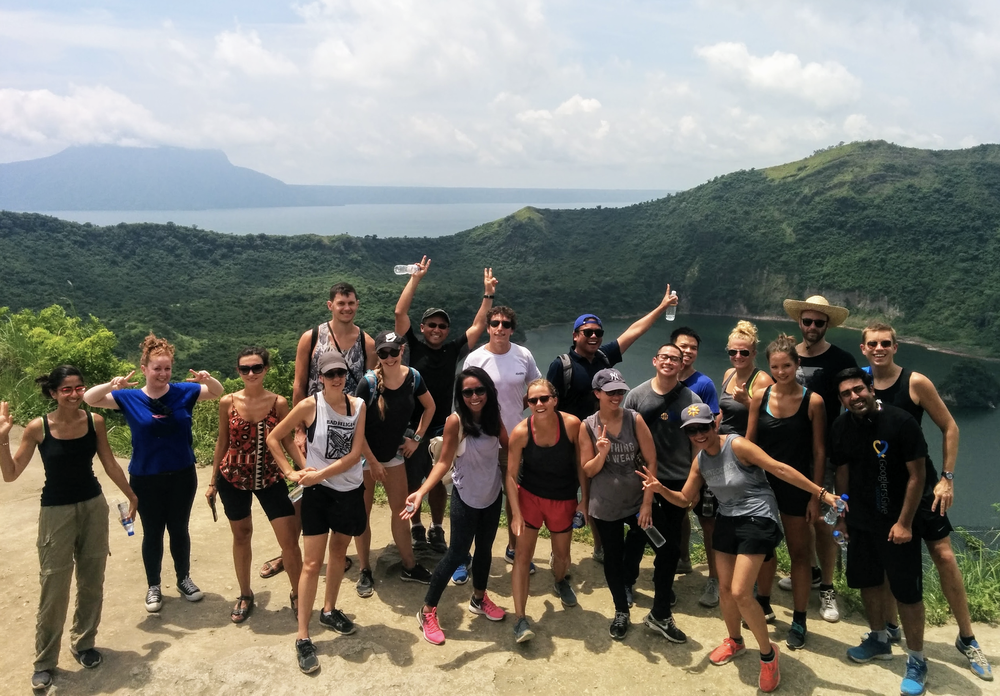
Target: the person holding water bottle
pixel 73 522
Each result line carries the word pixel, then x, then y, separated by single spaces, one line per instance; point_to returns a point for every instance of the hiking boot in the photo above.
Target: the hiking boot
pixel 461 574
pixel 41 680
pixel 727 652
pixel 416 574
pixel 871 648
pixel 629 596
pixel 796 636
pixel 565 593
pixel 418 536
pixel 666 627
pixel 189 590
pixel 710 597
pixel 366 583
pixel 508 556
pixel 770 676
pixel 915 678
pixel 978 663
pixel 429 626
pixel 154 599
pixel 486 607
pixel 619 625
pixel 89 658
pixel 522 631
pixel 337 621
pixel 828 609
pixel 435 537
pixel 306 652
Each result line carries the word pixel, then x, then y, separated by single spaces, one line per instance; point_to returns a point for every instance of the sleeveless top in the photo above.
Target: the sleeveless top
pixel 355 358
pixel 899 395
pixel 550 472
pixel 789 440
pixel 248 463
pixel 742 491
pixel 616 491
pixel 476 472
pixel 69 467
pixel 735 416
pixel 330 437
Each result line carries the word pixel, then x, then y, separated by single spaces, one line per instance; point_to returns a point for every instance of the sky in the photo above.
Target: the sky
pixel 508 93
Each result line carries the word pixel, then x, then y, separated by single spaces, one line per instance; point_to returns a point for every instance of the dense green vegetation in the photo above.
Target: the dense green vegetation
pixel 970 385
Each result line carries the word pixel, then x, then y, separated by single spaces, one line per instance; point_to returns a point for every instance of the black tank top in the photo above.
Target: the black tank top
pixel 550 472
pixel 899 395
pixel 735 416
pixel 789 440
pixel 69 467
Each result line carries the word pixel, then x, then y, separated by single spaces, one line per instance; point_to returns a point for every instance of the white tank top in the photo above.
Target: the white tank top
pixel 331 437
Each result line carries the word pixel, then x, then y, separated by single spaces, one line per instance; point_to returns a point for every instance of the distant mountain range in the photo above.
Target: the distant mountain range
pixel 168 178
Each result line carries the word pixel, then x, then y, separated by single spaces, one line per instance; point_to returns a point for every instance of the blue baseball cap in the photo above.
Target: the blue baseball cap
pixel 586 319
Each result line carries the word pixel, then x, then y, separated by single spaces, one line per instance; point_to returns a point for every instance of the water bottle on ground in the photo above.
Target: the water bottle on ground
pixel 578 520
pixel 834 513
pixel 406 269
pixel 707 503
pixel 123 517
pixel 672 309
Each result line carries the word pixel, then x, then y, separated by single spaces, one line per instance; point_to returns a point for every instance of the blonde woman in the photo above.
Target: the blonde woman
pixel 742 380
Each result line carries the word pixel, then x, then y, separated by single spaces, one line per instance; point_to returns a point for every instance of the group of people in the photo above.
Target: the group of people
pixel 760 460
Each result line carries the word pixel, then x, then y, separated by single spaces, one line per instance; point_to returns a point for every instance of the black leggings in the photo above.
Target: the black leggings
pixel 667 518
pixel 615 568
pixel 165 502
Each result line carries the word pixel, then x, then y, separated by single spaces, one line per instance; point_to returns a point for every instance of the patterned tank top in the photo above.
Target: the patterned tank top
pixel 248 464
pixel 354 356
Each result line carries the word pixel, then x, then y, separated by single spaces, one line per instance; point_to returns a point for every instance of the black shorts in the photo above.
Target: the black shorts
pixel 871 558
pixel 236 501
pixel 746 535
pixel 930 525
pixel 326 510
pixel 418 465
pixel 792 500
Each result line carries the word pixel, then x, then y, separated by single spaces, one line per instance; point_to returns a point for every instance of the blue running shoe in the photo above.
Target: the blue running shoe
pixel 978 663
pixel 461 574
pixel 915 679
pixel 871 648
pixel 509 557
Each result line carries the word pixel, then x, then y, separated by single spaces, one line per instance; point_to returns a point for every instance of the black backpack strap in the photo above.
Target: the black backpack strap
pixel 567 366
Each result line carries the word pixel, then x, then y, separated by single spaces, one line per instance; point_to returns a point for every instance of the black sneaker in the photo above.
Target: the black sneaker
pixel 366 583
pixel 154 599
pixel 565 593
pixel 619 626
pixel 629 596
pixel 41 680
pixel 416 574
pixel 419 537
pixel 336 621
pixel 435 537
pixel 89 658
pixel 796 636
pixel 189 590
pixel 307 655
pixel 666 627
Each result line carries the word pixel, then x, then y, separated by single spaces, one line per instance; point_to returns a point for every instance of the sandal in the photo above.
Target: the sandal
pixel 272 568
pixel 347 563
pixel 293 598
pixel 243 609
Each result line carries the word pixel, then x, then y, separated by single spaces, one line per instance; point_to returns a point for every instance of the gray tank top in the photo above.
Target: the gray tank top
pixel 476 472
pixel 742 491
pixel 616 491
pixel 354 357
pixel 330 437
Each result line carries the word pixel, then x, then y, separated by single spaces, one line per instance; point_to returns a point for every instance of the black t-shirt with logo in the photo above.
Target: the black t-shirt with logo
pixel 438 368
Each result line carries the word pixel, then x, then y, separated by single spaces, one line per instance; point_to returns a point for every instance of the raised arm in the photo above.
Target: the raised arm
pixel 111 466
pixel 592 458
pixel 402 311
pixel 211 388
pixel 473 333
pixel 100 396
pixel 641 326
pixel 929 399
pixel 12 466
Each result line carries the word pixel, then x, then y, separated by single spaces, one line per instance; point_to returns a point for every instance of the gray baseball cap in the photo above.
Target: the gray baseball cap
pixel 609 380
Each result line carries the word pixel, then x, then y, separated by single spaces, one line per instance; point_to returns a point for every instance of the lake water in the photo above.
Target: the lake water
pixel 396 220
pixel 975 491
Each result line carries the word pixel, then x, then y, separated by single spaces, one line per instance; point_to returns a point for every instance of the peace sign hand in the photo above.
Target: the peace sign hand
pixel 489 282
pixel 201 376
pixel 123 382
pixel 603 443
pixel 422 267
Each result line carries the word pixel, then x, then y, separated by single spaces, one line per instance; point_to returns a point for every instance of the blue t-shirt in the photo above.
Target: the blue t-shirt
pixel 161 428
pixel 704 388
pixel 579 399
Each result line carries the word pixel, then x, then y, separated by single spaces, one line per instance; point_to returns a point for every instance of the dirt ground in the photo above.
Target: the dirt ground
pixel 193 648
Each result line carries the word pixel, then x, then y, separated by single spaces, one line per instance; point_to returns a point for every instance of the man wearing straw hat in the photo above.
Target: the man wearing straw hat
pixel 819 363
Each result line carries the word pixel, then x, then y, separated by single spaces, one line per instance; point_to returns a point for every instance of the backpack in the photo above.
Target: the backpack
pixel 567 366
pixel 373 384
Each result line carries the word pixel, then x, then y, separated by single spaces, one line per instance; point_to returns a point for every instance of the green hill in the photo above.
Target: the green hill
pixel 907 234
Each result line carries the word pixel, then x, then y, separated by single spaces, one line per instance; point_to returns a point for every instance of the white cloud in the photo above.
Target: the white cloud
pixel 245 51
pixel 577 104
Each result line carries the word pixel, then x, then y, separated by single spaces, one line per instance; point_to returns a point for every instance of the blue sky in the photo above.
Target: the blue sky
pixel 630 94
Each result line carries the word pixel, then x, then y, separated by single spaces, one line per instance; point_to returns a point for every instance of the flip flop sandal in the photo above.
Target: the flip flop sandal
pixel 243 609
pixel 272 568
pixel 293 598
pixel 348 563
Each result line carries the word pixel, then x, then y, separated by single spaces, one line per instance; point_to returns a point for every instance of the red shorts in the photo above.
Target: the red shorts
pixel 556 515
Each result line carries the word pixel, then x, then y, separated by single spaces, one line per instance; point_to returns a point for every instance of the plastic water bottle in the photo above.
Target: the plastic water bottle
pixel 406 269
pixel 410 507
pixel 834 513
pixel 123 517
pixel 295 495
pixel 578 520
pixel 654 535
pixel 672 309
pixel 839 538
pixel 707 503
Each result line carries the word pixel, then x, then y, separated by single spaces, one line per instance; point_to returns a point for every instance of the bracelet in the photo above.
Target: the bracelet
pixel 488 297
pixel 822 492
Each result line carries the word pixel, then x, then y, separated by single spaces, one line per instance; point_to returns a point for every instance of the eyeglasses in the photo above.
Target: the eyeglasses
pixel 876 344
pixel 497 322
pixel 617 392
pixel 469 392
pixel 742 352
pixel 435 325
pixel 66 391
pixel 697 429
pixel 336 373
pixel 820 323
pixel 665 357
pixel 539 399
pixel 592 332
pixel 388 353
pixel 858 390
pixel 256 368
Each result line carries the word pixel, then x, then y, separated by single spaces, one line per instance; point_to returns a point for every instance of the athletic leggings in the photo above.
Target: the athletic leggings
pixel 615 568
pixel 165 502
pixel 468 524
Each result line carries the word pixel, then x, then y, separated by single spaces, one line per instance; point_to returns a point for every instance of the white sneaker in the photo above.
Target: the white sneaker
pixel 710 597
pixel 828 606
pixel 785 584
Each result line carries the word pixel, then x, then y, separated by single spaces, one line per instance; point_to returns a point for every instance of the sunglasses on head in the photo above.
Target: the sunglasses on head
pixel 256 368
pixel 435 325
pixel 742 352
pixel 66 391
pixel 539 399
pixel 592 332
pixel 497 322
pixel 388 352
pixel 697 429
pixel 469 392
pixel 820 323
pixel 876 344
pixel 335 373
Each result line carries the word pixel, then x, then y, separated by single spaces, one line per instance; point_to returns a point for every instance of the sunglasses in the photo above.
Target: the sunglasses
pixel 820 323
pixel 742 352
pixel 664 357
pixel 697 429
pixel 876 344
pixel 506 324
pixel 336 373
pixel 538 399
pixel 617 392
pixel 66 391
pixel 592 332
pixel 435 325
pixel 469 392
pixel 256 368
pixel 388 353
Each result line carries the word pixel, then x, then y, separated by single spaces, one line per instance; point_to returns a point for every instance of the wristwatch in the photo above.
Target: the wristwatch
pixel 417 438
pixel 950 475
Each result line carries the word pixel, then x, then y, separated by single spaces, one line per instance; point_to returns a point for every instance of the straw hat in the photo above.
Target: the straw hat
pixel 817 303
